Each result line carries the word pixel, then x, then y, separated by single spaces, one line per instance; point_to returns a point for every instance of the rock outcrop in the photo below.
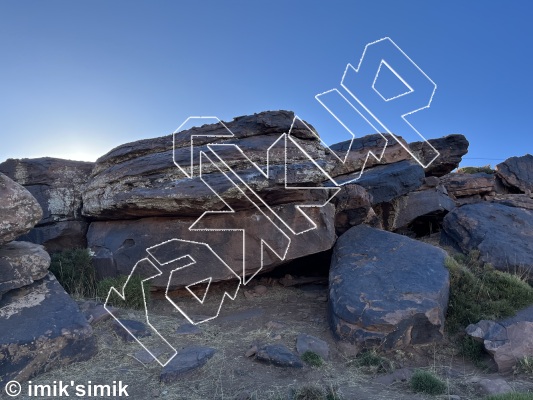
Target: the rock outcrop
pixel 21 263
pixel 386 289
pixel 57 185
pixel 508 340
pixel 42 328
pixel 19 211
pixel 451 148
pixel 517 173
pixel 502 234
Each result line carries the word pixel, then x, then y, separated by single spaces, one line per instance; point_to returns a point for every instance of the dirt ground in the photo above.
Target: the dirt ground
pixel 244 322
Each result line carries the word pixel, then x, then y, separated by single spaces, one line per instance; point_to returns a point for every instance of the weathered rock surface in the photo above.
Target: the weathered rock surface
pixel 467 185
pixel 305 343
pixel 353 206
pixel 21 263
pixel 386 289
pixel 508 340
pixel 278 355
pixel 502 234
pixel 186 361
pixel 59 235
pixel 517 173
pixel 140 179
pixel 405 210
pixel 385 182
pixel 514 200
pixel 19 211
pixel 42 328
pixel 57 184
pixel 118 245
pixel 129 329
pixel 451 148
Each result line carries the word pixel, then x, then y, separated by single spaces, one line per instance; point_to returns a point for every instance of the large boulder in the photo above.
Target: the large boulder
pixel 386 182
pixel 140 179
pixel 415 208
pixel 353 206
pixel 118 245
pixel 42 328
pixel 19 211
pixel 57 184
pixel 502 234
pixel 508 340
pixel 59 236
pixel 21 263
pixel 517 173
pixel 469 187
pixel 386 289
pixel 451 148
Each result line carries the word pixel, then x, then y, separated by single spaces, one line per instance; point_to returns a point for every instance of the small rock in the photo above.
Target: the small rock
pixel 137 328
pixel 275 336
pixel 187 360
pixel 260 290
pixel 188 329
pixel 274 325
pixel 249 294
pixel 399 375
pixel 279 355
pixel 306 342
pixel 494 386
pixel 251 351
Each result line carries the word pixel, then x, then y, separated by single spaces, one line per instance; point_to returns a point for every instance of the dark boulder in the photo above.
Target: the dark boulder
pixel 517 173
pixel 42 328
pixel 21 263
pixel 386 289
pixel 502 234
pixel 19 211
pixel 451 148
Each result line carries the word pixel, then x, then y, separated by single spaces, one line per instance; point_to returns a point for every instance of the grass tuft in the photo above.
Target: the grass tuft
pixel 426 382
pixel 133 292
pixel 312 359
pixel 511 396
pixel 478 291
pixel 474 170
pixel 371 361
pixel 75 272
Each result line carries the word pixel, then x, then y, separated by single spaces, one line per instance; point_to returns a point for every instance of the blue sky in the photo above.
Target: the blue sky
pixel 81 77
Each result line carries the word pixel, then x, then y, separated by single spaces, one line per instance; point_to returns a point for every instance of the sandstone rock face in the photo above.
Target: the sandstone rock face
pixel 386 289
pixel 508 340
pixel 21 263
pixel 451 148
pixel 19 211
pixel 59 235
pixel 464 185
pixel 502 234
pixel 118 245
pixel 517 173
pixel 386 182
pixel 353 206
pixel 140 179
pixel 514 200
pixel 56 184
pixel 403 211
pixel 42 328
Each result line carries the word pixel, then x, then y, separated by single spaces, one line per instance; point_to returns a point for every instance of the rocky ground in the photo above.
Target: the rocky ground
pixel 272 314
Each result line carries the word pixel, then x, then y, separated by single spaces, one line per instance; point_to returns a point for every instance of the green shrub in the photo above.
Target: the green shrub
pixel 373 362
pixel 474 170
pixel 426 382
pixel 75 272
pixel 133 292
pixel 312 359
pixel 478 291
pixel 524 366
pixel 511 396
